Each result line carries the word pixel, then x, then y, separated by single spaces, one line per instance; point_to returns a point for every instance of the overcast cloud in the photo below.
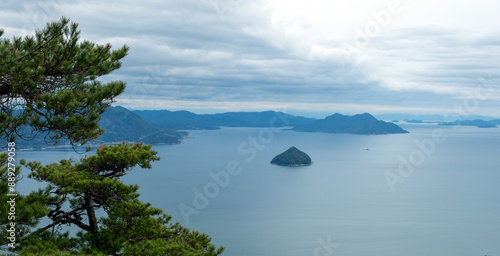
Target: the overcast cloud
pixel 295 56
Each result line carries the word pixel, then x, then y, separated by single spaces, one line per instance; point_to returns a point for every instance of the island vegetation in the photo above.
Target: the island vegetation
pixel 357 124
pixel 292 157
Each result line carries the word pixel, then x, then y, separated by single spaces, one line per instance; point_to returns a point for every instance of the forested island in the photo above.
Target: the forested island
pixel 166 127
pixel 185 120
pixel 292 157
pixel 119 124
pixel 357 124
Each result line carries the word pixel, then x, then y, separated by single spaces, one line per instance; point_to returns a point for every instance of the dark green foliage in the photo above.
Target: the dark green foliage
pixel 28 209
pixel 48 82
pixel 357 124
pixel 292 157
pixel 48 87
pixel 77 190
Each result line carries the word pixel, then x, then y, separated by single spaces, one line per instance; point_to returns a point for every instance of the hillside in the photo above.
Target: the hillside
pixel 120 124
pixel 292 157
pixel 357 124
pixel 185 120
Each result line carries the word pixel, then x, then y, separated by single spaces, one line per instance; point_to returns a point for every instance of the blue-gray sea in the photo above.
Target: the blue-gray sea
pixel 433 191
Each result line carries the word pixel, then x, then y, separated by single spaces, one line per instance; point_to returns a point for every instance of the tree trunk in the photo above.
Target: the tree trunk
pixel 89 205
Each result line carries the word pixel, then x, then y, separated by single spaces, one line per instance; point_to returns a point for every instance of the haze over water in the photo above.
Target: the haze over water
pixel 449 205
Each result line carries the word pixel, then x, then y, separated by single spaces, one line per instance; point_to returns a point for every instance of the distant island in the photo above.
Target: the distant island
pixel 357 124
pixel 185 120
pixel 430 118
pixel 477 122
pixel 337 123
pixel 413 121
pixel 120 124
pixel 167 127
pixel 292 157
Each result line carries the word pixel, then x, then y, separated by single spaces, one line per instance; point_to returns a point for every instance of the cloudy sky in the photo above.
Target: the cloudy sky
pixel 313 57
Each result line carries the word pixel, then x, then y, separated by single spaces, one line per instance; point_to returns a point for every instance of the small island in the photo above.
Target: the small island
pixel 478 123
pixel 292 157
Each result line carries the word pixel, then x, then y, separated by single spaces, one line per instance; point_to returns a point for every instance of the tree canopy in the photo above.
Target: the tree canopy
pixel 76 191
pixel 49 86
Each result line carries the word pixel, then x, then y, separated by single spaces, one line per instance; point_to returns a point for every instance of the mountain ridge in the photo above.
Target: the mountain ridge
pixel 365 124
pixel 185 120
pixel 120 124
pixel 162 126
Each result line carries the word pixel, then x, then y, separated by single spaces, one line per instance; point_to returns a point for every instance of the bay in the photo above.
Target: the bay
pixel 445 199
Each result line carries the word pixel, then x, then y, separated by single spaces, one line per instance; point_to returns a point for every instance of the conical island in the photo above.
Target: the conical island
pixel 292 157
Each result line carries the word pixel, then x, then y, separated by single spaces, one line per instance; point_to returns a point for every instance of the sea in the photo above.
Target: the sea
pixel 434 191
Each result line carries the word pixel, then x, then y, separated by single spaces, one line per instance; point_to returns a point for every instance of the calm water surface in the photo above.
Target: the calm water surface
pixel 446 203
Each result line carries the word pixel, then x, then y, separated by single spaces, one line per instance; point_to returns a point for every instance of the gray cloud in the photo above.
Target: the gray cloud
pixel 187 51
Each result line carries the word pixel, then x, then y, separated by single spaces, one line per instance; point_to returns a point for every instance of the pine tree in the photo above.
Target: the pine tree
pixel 78 190
pixel 49 86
